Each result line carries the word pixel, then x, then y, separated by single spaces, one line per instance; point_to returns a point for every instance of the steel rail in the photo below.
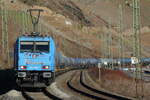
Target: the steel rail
pixel 69 84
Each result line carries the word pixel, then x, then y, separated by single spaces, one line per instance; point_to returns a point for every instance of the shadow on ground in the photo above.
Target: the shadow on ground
pixel 7 80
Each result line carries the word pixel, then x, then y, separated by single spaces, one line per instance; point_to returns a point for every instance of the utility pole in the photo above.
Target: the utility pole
pixel 109 39
pixel 5 42
pixel 7 37
pixel 40 28
pixel 3 31
pixel 104 44
pixel 137 47
pixel 26 21
pixel 19 16
pixel 23 21
pixel 120 33
pixel 29 28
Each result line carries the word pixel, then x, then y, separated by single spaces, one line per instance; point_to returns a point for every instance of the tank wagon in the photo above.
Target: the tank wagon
pixel 34 61
pixel 77 62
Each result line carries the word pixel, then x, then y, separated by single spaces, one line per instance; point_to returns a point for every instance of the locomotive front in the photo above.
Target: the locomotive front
pixel 34 61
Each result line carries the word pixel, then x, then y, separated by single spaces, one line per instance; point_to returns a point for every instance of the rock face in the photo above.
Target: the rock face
pixel 64 7
pixel 12 95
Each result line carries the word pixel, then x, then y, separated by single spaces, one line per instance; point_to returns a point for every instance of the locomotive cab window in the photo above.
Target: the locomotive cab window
pixel 34 46
pixel 42 46
pixel 26 46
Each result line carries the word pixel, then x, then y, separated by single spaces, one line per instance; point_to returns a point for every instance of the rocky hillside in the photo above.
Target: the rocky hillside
pixel 79 26
pixel 64 7
pixel 109 9
pixel 98 14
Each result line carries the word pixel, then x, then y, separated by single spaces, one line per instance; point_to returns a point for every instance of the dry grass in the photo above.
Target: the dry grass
pixel 119 82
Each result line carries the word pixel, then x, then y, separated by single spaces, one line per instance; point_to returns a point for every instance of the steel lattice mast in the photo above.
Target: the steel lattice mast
pixel 137 47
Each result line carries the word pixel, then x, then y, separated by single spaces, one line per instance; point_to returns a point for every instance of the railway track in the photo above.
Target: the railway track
pixel 87 91
pixel 42 95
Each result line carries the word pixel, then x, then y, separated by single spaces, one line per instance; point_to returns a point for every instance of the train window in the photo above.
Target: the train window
pixel 42 46
pixel 26 46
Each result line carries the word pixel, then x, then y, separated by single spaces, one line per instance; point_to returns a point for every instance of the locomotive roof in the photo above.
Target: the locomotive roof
pixel 37 38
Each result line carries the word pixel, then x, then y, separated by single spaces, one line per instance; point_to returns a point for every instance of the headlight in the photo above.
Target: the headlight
pixel 23 67
pixel 45 67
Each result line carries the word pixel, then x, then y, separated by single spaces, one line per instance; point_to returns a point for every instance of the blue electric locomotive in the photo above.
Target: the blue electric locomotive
pixel 34 61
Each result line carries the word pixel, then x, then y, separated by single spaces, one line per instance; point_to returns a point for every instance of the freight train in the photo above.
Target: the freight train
pixel 36 58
